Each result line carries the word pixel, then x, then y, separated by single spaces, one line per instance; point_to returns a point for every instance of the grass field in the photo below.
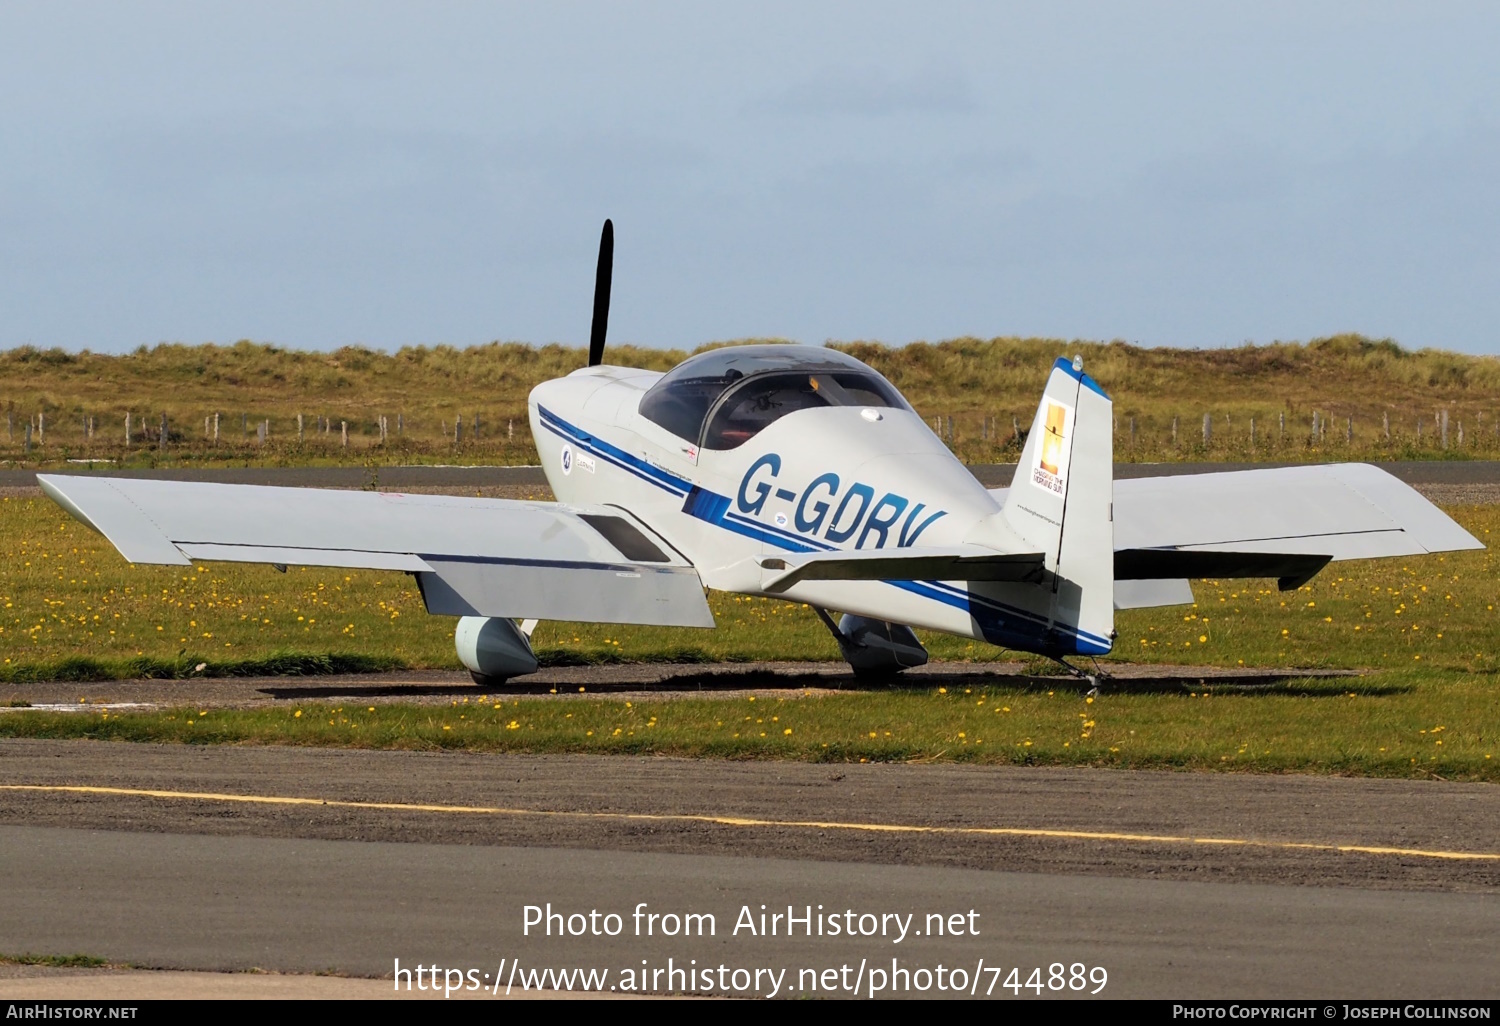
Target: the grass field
pixel 1358 387
pixel 1404 724
pixel 71 608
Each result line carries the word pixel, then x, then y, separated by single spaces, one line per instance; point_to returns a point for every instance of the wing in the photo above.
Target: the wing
pixel 1285 522
pixel 471 557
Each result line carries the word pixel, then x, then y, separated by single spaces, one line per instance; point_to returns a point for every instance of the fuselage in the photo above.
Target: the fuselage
pixel 838 476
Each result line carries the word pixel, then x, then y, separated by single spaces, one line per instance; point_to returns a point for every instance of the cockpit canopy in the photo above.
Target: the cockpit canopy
pixel 722 398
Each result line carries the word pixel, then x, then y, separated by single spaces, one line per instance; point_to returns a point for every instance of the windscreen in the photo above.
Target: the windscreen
pixel 744 388
pixel 762 400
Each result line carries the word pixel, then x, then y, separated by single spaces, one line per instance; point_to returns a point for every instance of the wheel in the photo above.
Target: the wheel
pixel 486 681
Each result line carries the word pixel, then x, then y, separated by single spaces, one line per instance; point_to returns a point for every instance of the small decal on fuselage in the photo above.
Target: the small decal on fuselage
pixel 567 460
pixel 844 516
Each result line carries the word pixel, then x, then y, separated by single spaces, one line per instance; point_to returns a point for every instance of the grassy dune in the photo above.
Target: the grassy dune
pixel 1354 384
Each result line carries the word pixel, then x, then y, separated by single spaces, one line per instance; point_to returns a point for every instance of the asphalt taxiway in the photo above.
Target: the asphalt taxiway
pixel 1179 885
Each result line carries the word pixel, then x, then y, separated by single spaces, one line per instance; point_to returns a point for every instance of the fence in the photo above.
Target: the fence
pixel 52 434
pixel 1250 434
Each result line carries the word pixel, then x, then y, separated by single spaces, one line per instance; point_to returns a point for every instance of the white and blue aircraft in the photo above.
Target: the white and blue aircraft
pixel 797 472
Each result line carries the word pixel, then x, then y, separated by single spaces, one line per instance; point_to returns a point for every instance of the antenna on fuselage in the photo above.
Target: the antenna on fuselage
pixel 601 294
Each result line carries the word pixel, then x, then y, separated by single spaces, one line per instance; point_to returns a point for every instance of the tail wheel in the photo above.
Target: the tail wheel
pixel 484 680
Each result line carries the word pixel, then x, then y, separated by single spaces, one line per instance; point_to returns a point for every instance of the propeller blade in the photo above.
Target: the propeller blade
pixel 601 294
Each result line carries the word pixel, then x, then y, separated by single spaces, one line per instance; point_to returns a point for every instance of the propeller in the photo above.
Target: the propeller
pixel 601 294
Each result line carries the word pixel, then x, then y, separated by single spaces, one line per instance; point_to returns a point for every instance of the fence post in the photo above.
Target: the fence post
pixel 1208 429
pixel 344 433
pixel 510 429
pixel 1349 431
pixel 216 427
pixel 1174 432
pixel 1443 426
pixel 127 428
pixel 10 426
pixel 161 438
pixel 1385 424
pixel 1015 426
pixel 1252 432
pixel 299 429
pixel 400 424
pixel 1460 434
pixel 41 427
pixel 1132 431
pixel 27 447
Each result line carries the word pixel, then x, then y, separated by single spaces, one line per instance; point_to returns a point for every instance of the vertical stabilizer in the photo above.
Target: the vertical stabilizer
pixel 1061 502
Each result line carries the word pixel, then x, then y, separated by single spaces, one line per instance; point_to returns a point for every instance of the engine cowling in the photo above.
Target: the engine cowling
pixel 876 648
pixel 493 649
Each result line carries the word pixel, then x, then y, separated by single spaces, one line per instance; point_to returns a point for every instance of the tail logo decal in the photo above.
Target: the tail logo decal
pixel 1050 472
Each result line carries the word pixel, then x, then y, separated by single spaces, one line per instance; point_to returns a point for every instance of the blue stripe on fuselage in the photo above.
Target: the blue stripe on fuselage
pixel 999 623
pixel 619 457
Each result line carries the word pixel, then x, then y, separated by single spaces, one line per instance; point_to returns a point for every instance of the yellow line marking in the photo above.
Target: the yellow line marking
pixel 743 821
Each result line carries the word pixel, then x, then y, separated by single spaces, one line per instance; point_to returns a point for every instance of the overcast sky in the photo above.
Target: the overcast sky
pixel 315 175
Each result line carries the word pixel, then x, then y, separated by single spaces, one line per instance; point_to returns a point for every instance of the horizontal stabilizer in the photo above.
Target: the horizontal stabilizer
pixel 1291 570
pixel 959 563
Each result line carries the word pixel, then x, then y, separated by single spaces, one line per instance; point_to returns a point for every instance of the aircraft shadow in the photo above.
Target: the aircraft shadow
pixel 1307 683
pixel 1301 683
